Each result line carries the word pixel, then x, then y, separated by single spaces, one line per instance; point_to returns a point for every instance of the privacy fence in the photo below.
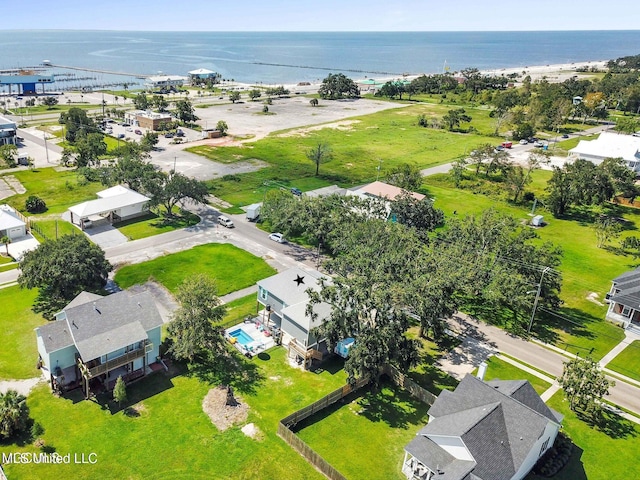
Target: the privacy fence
pixel 295 442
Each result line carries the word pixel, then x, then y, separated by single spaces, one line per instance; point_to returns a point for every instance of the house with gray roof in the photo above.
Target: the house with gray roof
pixel 624 300
pixel 482 431
pixel 282 303
pixel 96 339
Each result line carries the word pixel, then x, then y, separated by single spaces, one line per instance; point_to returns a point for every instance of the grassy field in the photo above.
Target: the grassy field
pixel 601 452
pixel 52 229
pixel 239 309
pixel 153 224
pixel 498 369
pixel 231 267
pixel 365 436
pixel 59 190
pixel 19 353
pixel 392 137
pixel 627 362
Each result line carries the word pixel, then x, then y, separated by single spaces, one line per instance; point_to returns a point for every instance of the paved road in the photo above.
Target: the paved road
pixel 622 394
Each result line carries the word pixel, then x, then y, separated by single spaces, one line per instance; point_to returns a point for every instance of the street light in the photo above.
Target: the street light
pixel 535 303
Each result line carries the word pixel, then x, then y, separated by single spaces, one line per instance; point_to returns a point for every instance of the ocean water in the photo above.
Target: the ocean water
pixel 291 57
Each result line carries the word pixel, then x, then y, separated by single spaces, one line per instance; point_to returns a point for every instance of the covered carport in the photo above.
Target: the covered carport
pixel 114 205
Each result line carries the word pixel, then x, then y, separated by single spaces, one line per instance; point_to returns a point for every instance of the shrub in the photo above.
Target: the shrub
pixel 35 204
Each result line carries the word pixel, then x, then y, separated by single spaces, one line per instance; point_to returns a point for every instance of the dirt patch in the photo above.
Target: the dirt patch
pixel 250 430
pixel 222 415
pixel 345 126
pixel 593 297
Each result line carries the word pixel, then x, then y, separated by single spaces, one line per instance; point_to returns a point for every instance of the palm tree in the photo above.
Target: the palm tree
pixel 6 240
pixel 14 413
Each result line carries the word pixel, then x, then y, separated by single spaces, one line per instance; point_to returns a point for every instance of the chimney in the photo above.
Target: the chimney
pixel 482 370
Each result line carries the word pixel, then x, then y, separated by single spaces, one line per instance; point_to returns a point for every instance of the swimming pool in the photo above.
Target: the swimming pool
pixel 243 337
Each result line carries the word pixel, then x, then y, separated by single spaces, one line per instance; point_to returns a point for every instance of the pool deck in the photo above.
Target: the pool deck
pixel 260 343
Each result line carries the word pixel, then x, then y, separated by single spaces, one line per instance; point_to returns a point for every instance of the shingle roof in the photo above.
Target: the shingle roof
pixel 55 335
pixel 626 276
pixel 437 459
pixel 384 190
pixel 284 286
pixel 499 422
pixel 629 297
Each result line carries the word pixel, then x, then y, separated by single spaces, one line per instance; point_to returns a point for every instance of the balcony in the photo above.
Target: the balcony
pixel 113 363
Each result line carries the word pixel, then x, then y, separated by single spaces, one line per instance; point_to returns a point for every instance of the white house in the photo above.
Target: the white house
pixel 200 74
pixel 95 339
pixel 113 205
pixel 624 300
pixel 482 431
pixel 8 129
pixel 165 81
pixel 610 145
pixel 11 225
pixel 283 300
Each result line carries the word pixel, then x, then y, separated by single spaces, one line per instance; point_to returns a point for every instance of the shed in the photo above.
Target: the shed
pixel 537 221
pixel 343 347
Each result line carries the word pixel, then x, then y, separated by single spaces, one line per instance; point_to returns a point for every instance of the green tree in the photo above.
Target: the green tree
pixel 222 127
pixel 77 124
pixel 391 89
pixel 14 413
pixel 148 141
pixel 234 96
pixel 585 386
pixel 418 214
pixel 606 228
pixel 50 102
pixel 458 167
pixel 89 148
pixel 160 103
pixel 131 170
pixel 319 154
pixel 406 176
pixel 120 391
pixel 141 101
pixel 185 111
pixel 9 155
pixel 254 94
pixel 558 192
pixel 61 269
pixel 337 85
pixel 193 327
pixel 517 178
pixel 35 204
pixel 455 117
pixel 5 240
pixel 481 155
pixel 169 189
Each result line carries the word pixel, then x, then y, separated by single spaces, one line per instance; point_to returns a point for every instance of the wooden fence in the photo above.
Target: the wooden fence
pixel 295 442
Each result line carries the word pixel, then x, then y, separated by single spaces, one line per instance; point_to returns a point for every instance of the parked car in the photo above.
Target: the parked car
pixel 565 136
pixel 168 135
pixel 129 129
pixel 125 124
pixel 538 144
pixel 121 135
pixel 179 133
pixel 523 142
pixel 225 221
pixel 138 132
pixel 277 237
pixel 499 148
pixel 296 191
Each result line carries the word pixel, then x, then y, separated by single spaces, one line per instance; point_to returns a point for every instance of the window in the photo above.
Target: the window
pixel 263 294
pixel 544 447
pixel 626 311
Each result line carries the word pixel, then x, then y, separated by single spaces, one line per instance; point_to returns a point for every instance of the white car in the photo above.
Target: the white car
pixel 277 237
pixel 523 142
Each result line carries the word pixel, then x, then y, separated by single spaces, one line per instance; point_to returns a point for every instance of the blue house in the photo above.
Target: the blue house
pixel 96 339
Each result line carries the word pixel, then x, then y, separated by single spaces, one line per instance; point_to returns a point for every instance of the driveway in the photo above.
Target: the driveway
pixel 106 236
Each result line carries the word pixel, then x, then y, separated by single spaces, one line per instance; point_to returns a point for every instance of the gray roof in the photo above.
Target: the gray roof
pixel 499 423
pixel 626 276
pixel 297 313
pixel 437 459
pixel 326 191
pixel 284 286
pixel 55 335
pixel 629 297
pixel 100 325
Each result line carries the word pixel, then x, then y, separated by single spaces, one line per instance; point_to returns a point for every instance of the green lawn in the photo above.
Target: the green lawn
pixel 365 437
pixel 53 229
pixel 627 362
pixel 393 136
pixel 172 437
pixel 239 309
pixel 19 353
pixel 498 369
pixel 5 267
pixel 231 267
pixel 153 224
pixel 59 190
pixel 600 453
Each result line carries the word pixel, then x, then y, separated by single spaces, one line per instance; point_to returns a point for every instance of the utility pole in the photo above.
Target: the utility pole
pixel 46 149
pixel 535 303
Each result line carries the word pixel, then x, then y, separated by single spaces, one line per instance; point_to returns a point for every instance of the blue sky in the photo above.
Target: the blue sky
pixel 326 15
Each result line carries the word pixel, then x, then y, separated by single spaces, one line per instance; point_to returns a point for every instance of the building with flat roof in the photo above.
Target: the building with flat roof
pixel 202 75
pixel 26 81
pixel 8 131
pixel 610 145
pixel 147 118
pixel 164 82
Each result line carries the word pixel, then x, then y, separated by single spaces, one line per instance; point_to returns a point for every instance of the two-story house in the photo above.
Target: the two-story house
pixel 482 431
pixel 624 300
pixel 282 302
pixel 96 339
